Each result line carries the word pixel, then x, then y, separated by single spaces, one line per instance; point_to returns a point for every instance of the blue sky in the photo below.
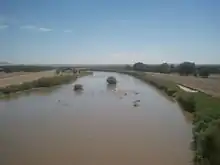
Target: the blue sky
pixel 109 31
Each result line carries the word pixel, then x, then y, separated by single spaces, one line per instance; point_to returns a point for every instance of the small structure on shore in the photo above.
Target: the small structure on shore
pixel 74 71
pixel 111 80
pixel 78 87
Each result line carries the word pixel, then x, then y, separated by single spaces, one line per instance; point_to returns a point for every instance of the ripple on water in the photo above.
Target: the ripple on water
pixel 96 126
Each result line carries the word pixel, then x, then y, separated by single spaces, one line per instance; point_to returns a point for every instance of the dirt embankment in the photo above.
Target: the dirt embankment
pixel 5 75
pixel 20 77
pixel 207 85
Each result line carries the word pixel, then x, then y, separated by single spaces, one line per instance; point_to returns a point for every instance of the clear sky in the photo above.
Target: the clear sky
pixel 109 31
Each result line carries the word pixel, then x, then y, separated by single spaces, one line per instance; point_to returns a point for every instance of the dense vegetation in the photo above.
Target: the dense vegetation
pixel 206 130
pixel 185 68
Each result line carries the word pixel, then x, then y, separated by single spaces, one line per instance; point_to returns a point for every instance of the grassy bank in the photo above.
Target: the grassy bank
pixel 206 112
pixel 42 82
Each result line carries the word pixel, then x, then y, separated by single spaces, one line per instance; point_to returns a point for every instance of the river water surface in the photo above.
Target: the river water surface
pixel 99 126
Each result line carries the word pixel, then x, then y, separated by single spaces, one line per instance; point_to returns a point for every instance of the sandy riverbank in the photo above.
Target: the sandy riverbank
pixel 24 77
pixel 186 89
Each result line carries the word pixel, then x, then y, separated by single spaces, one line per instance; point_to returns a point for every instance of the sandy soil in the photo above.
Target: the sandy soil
pixel 210 86
pixel 187 89
pixel 5 75
pixel 20 77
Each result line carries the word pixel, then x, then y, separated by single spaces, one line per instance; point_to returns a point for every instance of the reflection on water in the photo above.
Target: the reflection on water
pixel 94 127
pixel 37 91
pixel 79 92
pixel 45 91
pixel 111 87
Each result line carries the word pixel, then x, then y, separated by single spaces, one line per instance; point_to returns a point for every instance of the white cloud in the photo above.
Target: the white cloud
pixel 32 27
pixel 45 29
pixel 3 26
pixel 67 31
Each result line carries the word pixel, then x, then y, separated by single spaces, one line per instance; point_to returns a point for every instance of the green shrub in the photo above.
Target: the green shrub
pixel 27 85
pixel 206 131
pixel 209 144
pixel 170 92
pixel 204 72
pixel 187 103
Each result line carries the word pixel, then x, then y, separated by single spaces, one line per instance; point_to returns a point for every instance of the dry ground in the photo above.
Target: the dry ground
pixel 20 77
pixel 210 85
pixel 5 75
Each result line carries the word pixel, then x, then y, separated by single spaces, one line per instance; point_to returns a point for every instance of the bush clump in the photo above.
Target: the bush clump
pixel 204 73
pixel 111 80
pixel 206 131
pixel 78 87
pixel 170 92
pixel 187 103
pixel 207 142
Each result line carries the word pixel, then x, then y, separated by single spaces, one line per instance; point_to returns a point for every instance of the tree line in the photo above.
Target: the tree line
pixel 185 68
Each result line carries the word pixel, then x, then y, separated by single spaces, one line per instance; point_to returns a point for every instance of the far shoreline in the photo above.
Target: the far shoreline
pixel 41 83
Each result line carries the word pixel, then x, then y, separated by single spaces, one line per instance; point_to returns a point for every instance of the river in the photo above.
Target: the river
pixel 98 126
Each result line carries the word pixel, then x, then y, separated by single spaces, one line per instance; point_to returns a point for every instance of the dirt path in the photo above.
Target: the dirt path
pixel 17 79
pixel 207 85
pixel 5 75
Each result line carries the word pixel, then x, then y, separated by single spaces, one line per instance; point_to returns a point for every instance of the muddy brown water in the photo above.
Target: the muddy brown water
pixel 98 126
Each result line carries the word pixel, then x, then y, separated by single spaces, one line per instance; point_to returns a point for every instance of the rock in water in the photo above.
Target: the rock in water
pixel 135 104
pixel 111 80
pixel 78 87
